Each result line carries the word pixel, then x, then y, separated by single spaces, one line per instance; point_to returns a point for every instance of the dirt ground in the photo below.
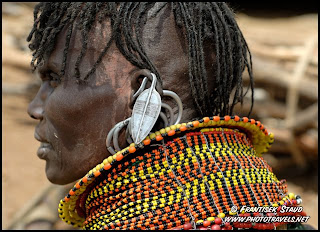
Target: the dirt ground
pixel 23 173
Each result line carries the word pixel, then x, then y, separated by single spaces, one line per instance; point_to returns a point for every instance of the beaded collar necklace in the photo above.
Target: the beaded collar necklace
pixel 184 176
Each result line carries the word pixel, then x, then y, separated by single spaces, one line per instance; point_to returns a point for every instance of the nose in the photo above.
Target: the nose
pixel 36 106
pixel 35 110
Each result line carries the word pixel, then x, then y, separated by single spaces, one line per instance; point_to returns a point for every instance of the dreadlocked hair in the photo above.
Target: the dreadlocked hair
pixel 200 21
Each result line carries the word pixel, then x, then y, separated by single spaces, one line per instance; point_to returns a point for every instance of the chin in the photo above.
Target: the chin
pixel 56 180
pixel 58 177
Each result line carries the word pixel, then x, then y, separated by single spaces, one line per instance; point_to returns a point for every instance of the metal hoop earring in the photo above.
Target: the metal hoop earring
pixel 146 111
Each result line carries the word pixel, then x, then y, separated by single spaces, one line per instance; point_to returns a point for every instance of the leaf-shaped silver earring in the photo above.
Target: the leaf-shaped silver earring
pixel 145 112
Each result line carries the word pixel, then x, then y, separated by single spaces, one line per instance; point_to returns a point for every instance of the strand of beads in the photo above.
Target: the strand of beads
pixel 261 141
pixel 246 182
pixel 171 145
pixel 184 163
pixel 233 174
pixel 161 201
pixel 181 185
pixel 202 148
pixel 264 171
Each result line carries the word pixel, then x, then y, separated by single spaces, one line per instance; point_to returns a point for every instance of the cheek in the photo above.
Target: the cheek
pixel 85 117
pixel 76 115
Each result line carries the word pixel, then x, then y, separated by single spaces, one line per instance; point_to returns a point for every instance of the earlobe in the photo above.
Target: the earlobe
pixel 138 75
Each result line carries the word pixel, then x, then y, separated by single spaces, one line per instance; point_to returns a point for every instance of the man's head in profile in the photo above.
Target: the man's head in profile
pixel 90 57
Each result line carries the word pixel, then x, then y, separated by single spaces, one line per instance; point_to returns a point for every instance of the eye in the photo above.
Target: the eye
pixel 54 79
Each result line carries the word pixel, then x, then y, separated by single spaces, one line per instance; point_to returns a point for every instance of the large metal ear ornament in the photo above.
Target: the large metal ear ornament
pixel 113 135
pixel 178 102
pixel 146 111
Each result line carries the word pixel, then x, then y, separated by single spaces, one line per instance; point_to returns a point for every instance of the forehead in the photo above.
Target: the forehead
pixel 158 35
pixel 94 42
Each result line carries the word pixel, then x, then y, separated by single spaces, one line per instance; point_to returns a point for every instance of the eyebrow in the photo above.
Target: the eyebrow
pixel 54 66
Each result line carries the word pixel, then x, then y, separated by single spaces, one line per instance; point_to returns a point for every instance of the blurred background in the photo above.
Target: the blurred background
pixel 283 40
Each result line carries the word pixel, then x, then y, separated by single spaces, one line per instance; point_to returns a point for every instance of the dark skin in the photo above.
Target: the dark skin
pixel 75 119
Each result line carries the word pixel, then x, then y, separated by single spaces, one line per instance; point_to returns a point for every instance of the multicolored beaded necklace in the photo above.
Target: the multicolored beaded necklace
pixel 185 176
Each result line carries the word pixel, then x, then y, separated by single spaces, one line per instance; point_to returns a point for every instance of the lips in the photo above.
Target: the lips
pixel 45 146
pixel 44 150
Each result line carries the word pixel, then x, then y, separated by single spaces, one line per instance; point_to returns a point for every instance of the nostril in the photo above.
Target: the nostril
pixel 35 112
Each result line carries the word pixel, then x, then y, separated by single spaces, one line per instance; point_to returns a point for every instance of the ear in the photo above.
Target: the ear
pixel 136 80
